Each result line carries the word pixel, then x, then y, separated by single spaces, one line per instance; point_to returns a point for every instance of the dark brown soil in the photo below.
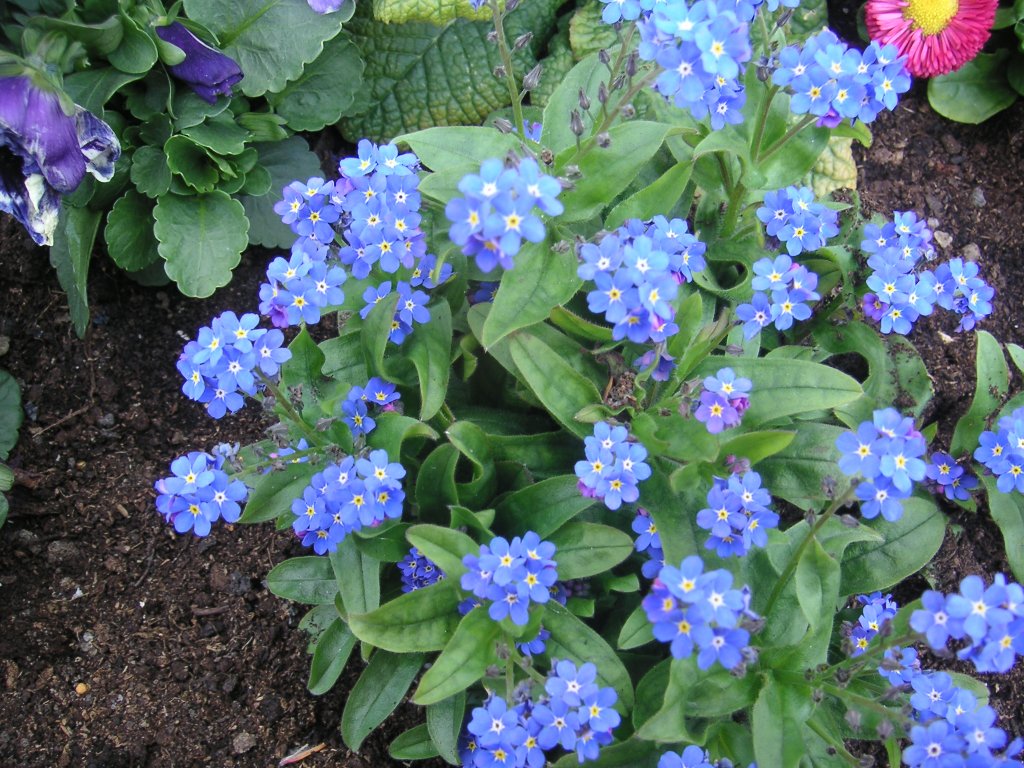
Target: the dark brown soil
pixel 125 645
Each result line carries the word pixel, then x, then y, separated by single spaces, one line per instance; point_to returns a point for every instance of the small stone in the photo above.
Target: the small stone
pixel 950 144
pixel 106 421
pixel 60 552
pixel 179 671
pixel 978 197
pixel 243 742
pixel 972 252
pixel 935 204
pixel 82 688
pixel 942 239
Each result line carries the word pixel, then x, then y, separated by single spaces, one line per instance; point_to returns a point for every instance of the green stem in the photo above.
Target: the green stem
pixel 510 671
pixel 732 211
pixel 606 123
pixel 515 97
pixel 536 676
pixel 829 738
pixel 282 400
pixel 780 143
pixel 761 122
pixel 850 697
pixel 875 651
pixel 787 573
pixel 259 466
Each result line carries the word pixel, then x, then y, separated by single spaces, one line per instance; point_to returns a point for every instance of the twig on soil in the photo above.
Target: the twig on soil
pixel 215 611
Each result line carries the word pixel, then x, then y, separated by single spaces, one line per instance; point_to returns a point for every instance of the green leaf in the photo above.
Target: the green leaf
pixel 817 586
pixel 834 169
pixel 609 170
pixel 993 382
pixel 414 744
pixel 201 239
pixel 275 492
pixel 330 656
pixel 358 577
pixel 909 544
pixel 93 88
pixel 326 89
pixel 471 442
pixel 270 39
pixel 419 75
pixel 304 367
pixel 574 640
pixel 376 332
pixel 654 199
pixel 1007 510
pixel 787 387
pixel 636 631
pixel 540 281
pixel 343 359
pixel 129 232
pixel 556 383
pixel 150 173
pixel 798 473
pixel 191 163
pixel 777 722
pixel 756 446
pixel 11 413
pixel 444 723
pixel 6 477
pixel 631 753
pixel 974 92
pixel 307 580
pixel 587 549
pixel 464 660
pixel 443 546
pixel 137 51
pixel 432 11
pixel 380 689
pixel 459 147
pixel 221 134
pixel 189 109
pixel 286 161
pixel 588 33
pixel 542 507
pixel 72 248
pixel 393 429
pixel 423 620
pixel 429 349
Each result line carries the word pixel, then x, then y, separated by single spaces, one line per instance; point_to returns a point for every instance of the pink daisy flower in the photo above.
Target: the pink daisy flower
pixel 936 36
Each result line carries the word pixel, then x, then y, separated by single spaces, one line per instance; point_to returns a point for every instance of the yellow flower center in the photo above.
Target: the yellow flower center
pixel 931 16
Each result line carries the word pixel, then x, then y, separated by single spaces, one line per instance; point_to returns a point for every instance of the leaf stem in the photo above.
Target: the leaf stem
pixel 793 131
pixel 515 97
pixel 282 400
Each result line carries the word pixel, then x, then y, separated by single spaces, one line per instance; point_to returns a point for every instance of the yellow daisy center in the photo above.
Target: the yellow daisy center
pixel 931 16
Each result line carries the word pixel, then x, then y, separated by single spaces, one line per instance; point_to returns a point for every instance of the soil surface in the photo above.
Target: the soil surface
pixel 126 645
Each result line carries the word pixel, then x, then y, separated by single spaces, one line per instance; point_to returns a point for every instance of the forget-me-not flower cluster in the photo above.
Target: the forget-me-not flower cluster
pixel 613 466
pixel 573 712
pixel 738 514
pixel 512 575
pixel 347 496
pixel 226 360
pixel 723 401
pixel 989 620
pixel 828 79
pixel 945 475
pixel 636 272
pixel 356 407
pixel 496 211
pixel 797 220
pixel 878 609
pixel 887 453
pixel 1002 452
pixel 782 288
pixel 199 493
pixel 648 542
pixel 693 610
pixel 418 571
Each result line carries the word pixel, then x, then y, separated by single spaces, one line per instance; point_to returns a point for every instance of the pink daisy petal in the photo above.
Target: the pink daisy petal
pixel 936 36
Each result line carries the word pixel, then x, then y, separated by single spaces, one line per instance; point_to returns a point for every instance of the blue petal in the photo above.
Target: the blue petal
pixel 98 144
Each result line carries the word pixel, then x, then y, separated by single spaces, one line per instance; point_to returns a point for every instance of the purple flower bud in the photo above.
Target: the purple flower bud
pixel 45 153
pixel 205 70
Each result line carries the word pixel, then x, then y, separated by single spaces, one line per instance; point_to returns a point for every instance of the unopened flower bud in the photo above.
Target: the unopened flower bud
pixel 853 719
pixel 503 125
pixel 784 18
pixel 618 82
pixel 547 156
pixel 499 71
pixel 576 123
pixel 884 730
pixel 324 424
pixel 492 36
pixel 604 57
pixel 532 78
pixel 631 63
pixel 562 246
pixel 604 140
pixel 522 41
pixel 602 92
pixel 584 100
pixel 572 172
pixel 511 5
pixel 849 521
pixel 628 111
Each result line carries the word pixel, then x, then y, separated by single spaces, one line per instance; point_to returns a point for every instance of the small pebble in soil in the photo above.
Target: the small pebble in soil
pixel 82 688
pixel 942 239
pixel 951 145
pixel 243 742
pixel 60 552
pixel 972 252
pixel 978 197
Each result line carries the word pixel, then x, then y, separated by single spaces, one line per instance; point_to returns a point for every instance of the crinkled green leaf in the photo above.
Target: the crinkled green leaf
pixel 431 11
pixel 201 239
pixel 834 169
pixel 270 39
pixel 556 65
pixel 587 31
pixel 420 75
pixel 326 89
